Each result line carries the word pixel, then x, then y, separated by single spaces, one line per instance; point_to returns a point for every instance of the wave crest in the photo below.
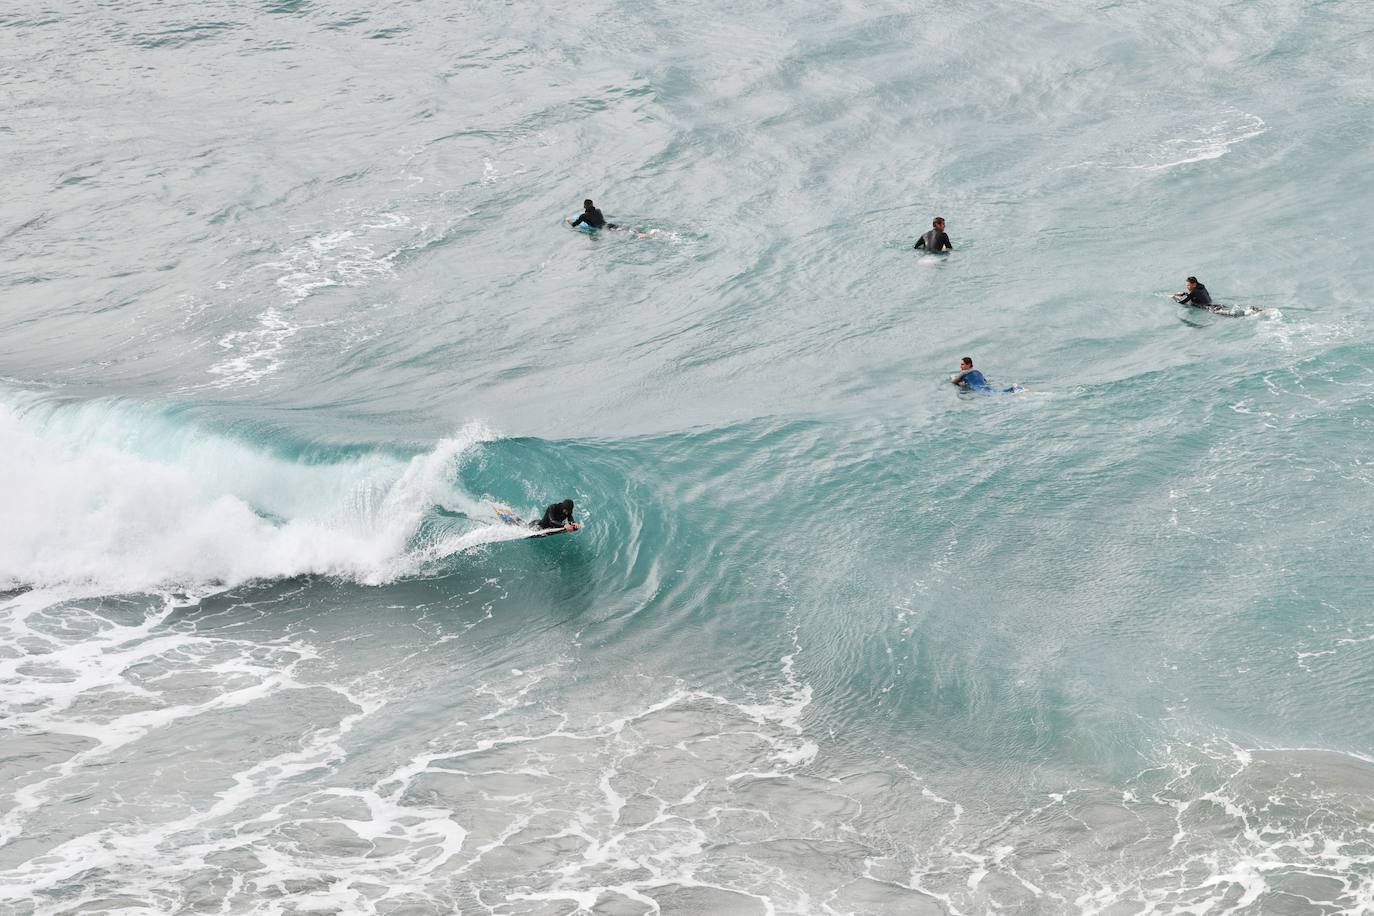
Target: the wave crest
pixel 127 499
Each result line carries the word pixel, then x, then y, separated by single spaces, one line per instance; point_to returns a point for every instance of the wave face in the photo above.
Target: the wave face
pixel 288 300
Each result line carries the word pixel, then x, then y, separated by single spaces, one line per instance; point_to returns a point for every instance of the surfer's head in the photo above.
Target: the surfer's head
pixel 938 222
pixel 1192 283
pixel 966 362
pixel 567 506
pixel 587 204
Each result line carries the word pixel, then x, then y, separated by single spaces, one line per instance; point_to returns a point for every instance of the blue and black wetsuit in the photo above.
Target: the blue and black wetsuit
pixel 973 380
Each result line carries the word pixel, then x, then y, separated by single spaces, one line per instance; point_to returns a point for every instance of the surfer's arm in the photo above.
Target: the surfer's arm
pixel 920 243
pixel 578 221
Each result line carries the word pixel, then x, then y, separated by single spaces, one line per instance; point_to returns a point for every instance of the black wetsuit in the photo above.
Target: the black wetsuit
pixel 934 241
pixel 1198 297
pixel 555 516
pixel 592 217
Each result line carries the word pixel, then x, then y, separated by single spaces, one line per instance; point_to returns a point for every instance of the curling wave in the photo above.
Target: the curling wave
pixel 128 498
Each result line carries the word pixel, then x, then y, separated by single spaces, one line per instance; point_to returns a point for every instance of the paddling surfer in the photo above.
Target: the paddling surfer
pixel 1196 296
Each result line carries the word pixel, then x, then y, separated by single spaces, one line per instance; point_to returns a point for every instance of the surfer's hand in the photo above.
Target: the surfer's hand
pixel 570 527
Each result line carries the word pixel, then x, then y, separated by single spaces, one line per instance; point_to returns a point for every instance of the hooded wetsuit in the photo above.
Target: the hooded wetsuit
pixel 556 516
pixel 934 241
pixel 593 218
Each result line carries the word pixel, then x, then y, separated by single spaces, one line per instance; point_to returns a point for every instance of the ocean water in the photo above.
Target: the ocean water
pixel 288 298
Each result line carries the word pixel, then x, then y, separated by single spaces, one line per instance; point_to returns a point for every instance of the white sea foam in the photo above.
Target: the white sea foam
pixel 255 353
pixel 1210 143
pixel 342 257
pixel 73 684
pixel 104 496
pixel 1201 143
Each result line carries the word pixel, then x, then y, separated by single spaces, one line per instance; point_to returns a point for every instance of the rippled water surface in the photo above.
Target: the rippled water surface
pixel 288 300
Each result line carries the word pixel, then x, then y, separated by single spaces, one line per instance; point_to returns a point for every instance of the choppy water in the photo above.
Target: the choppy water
pixel 287 299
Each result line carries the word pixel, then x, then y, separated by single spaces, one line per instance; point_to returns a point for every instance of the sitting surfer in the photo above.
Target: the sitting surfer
pixel 935 241
pixel 592 217
pixel 558 515
pixel 1196 296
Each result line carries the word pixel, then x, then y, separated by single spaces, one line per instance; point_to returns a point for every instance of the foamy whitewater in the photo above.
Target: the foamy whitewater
pixel 290 301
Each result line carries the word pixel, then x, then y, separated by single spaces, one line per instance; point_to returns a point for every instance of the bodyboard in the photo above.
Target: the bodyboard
pixel 507 515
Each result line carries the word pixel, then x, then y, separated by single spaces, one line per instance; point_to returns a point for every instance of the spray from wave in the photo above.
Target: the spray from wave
pixel 124 498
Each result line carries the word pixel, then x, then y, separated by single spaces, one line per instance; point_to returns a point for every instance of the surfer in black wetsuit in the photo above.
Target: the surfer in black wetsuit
pixel 592 217
pixel 935 241
pixel 1196 295
pixel 558 515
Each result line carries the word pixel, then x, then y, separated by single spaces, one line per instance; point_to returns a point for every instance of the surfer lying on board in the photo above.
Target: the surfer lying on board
pixel 1196 295
pixel 970 379
pixel 592 217
pixel 935 241
pixel 558 515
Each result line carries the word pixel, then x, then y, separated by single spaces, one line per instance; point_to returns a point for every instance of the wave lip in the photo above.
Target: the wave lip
pixel 108 496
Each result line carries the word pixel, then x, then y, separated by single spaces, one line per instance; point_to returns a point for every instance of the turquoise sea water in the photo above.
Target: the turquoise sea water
pixel 287 299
